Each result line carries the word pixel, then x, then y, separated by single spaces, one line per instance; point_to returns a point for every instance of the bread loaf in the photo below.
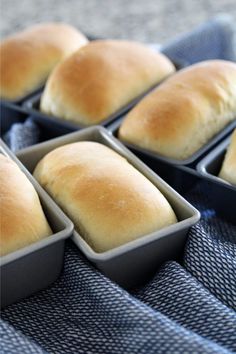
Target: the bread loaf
pixel 228 169
pixel 184 112
pixel 101 78
pixel 29 56
pixel 22 220
pixel 108 200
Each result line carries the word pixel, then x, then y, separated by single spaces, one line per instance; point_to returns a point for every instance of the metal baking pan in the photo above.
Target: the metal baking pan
pixel 20 100
pixel 181 177
pixel 32 107
pixel 179 64
pixel 132 264
pixel 11 114
pixel 221 193
pixel 34 267
pixel 191 161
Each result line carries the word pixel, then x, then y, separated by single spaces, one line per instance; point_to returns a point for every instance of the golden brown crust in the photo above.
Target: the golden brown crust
pixel 184 112
pixel 22 221
pixel 109 201
pixel 228 169
pixel 101 78
pixel 29 56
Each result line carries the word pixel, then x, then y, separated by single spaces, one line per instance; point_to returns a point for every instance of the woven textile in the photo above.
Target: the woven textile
pixel 22 135
pixel 15 343
pixel 211 253
pixel 86 313
pixel 185 308
pixel 213 40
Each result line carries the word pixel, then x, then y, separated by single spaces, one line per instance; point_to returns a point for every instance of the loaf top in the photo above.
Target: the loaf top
pixel 22 219
pixel 184 112
pixel 228 169
pixel 29 56
pixel 109 201
pixel 101 78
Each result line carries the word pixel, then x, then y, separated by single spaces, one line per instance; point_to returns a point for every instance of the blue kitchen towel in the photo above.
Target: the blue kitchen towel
pixel 15 343
pixel 22 135
pixel 185 308
pixel 84 312
pixel 213 40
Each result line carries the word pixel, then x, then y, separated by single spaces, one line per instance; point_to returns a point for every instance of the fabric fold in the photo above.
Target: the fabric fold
pixel 180 297
pixel 84 312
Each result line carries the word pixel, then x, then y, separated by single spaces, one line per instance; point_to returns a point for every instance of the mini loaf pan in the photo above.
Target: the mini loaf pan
pixel 179 64
pixel 132 264
pixel 20 100
pixel 32 107
pixel 11 114
pixel 36 266
pixel 181 177
pixel 191 161
pixel 222 193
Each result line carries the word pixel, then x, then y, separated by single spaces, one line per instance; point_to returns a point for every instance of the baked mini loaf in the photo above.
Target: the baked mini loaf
pixel 22 220
pixel 29 56
pixel 101 78
pixel 228 169
pixel 108 200
pixel 185 112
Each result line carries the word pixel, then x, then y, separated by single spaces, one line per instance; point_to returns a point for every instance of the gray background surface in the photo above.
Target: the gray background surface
pixel 145 20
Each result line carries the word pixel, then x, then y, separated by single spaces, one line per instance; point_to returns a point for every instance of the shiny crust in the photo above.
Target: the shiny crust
pixel 228 170
pixel 101 78
pixel 109 201
pixel 29 56
pixel 184 112
pixel 22 219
